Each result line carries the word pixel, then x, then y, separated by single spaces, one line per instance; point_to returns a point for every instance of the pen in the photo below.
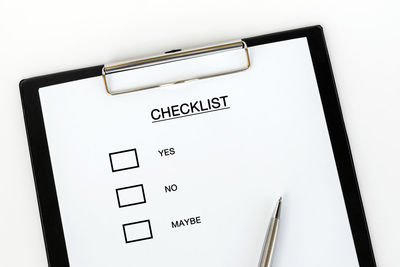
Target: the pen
pixel 269 243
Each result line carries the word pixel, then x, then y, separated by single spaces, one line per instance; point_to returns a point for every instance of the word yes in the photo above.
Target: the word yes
pixel 167 152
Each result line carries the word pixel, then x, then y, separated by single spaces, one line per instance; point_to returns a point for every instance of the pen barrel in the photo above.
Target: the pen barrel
pixel 269 244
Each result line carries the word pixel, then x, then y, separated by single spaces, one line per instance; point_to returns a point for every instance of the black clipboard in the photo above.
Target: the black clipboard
pixel 42 168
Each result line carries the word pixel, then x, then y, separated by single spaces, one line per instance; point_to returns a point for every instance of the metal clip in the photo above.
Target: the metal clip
pixel 173 56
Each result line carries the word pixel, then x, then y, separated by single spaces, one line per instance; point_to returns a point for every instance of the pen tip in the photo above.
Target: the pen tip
pixel 277 212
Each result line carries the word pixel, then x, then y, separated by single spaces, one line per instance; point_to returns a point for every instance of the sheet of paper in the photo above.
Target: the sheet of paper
pixel 188 175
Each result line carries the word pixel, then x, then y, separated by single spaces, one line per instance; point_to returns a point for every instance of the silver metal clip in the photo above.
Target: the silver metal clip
pixel 169 57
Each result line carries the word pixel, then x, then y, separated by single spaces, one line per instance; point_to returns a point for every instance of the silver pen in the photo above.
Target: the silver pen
pixel 269 243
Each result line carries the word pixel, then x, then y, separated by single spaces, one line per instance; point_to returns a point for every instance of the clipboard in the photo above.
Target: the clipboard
pixel 45 166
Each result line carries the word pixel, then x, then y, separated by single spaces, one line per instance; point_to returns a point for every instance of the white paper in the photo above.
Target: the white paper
pixel 228 169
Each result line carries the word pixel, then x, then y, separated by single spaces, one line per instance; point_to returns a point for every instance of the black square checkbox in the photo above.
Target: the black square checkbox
pixel 137 231
pixel 131 195
pixel 124 160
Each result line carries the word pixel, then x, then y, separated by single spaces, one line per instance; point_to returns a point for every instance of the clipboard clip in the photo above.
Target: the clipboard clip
pixel 219 64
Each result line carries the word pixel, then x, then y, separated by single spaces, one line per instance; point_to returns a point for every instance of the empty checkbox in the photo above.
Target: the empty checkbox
pixel 124 160
pixel 131 195
pixel 137 231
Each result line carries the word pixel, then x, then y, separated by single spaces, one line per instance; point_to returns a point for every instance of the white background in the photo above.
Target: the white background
pixel 40 37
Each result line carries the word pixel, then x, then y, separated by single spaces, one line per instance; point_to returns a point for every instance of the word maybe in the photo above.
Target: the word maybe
pixel 186 222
